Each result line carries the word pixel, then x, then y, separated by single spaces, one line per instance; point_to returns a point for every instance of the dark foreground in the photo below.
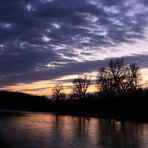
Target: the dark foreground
pixel 130 108
pixel 44 130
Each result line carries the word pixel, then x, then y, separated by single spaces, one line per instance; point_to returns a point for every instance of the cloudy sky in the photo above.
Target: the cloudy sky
pixel 45 41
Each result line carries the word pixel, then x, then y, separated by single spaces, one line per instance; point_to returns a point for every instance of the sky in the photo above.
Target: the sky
pixel 44 42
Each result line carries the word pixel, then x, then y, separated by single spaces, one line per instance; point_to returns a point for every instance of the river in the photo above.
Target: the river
pixel 45 130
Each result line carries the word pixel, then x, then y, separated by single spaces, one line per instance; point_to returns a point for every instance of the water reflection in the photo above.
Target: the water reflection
pixel 56 131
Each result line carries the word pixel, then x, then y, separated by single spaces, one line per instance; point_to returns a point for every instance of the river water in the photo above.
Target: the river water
pixel 40 130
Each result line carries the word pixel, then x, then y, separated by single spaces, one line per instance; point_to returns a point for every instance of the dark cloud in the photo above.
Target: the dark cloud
pixel 68 69
pixel 37 33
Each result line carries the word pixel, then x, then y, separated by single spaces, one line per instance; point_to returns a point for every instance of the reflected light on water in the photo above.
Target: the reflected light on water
pixel 57 131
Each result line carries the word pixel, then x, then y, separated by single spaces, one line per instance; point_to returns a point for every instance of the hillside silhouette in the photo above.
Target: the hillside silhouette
pixel 22 101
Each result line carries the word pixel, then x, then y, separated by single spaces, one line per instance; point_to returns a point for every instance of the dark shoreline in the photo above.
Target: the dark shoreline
pixel 138 118
pixel 131 107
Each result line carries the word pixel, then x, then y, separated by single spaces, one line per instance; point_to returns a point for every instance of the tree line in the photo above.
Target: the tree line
pixel 113 80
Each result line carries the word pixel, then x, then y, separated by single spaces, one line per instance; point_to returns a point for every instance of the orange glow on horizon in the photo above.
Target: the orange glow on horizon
pixel 45 87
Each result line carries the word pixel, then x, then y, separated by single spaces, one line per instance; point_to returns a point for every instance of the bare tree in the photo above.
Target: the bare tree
pixel 81 85
pixel 57 92
pixel 117 77
pixel 104 81
pixel 134 76
pixel 119 74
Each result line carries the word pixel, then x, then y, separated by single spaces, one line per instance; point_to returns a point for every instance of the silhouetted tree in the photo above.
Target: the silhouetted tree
pixel 104 81
pixel 81 85
pixel 134 76
pixel 58 92
pixel 117 77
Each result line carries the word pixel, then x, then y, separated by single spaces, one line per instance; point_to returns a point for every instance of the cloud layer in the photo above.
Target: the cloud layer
pixel 46 39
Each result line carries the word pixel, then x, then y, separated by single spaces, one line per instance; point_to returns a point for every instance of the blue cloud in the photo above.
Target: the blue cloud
pixel 34 34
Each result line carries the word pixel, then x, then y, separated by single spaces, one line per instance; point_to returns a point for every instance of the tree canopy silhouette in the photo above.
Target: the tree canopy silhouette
pixel 81 85
pixel 57 92
pixel 117 77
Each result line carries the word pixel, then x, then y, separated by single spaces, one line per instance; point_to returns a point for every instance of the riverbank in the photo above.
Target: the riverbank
pixel 126 108
pixel 133 116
